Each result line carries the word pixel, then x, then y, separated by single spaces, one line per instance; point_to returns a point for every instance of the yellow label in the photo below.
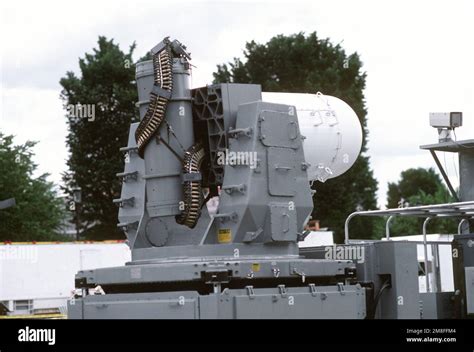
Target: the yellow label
pixel 224 236
pixel 255 267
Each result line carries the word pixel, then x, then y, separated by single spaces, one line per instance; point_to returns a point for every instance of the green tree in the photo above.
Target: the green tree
pixel 307 64
pixel 418 187
pixel 38 212
pixel 412 181
pixel 105 87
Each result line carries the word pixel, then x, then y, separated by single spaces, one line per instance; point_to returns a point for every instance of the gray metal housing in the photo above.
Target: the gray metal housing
pixel 345 302
pixel 395 262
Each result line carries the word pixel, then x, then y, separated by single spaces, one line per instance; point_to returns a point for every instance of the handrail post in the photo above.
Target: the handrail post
pixel 460 226
pixel 346 226
pixel 387 227
pixel 425 245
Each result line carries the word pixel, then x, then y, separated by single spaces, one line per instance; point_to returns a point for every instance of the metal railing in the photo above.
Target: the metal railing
pixel 463 210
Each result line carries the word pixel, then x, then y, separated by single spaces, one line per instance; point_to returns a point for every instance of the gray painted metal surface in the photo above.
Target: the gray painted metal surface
pixel 381 261
pixel 189 270
pixel 310 302
pixel 469 273
pixel 463 261
pixel 133 188
pixel 258 213
pixel 436 305
pixel 400 261
pixel 258 204
pixel 466 170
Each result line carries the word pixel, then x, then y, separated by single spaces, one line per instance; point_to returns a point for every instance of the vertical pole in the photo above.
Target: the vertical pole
pixel 460 227
pixel 77 222
pixel 387 227
pixel 425 246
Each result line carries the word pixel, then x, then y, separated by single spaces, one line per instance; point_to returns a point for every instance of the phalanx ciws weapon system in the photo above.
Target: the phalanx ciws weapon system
pixel 256 155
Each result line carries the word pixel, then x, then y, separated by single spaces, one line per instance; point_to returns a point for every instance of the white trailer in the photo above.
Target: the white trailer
pixel 38 278
pixel 317 238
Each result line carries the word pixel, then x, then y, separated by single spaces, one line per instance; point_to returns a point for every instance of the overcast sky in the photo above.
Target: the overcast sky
pixel 418 55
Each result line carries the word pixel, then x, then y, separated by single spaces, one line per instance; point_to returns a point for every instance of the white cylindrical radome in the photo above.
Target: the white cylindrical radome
pixel 332 131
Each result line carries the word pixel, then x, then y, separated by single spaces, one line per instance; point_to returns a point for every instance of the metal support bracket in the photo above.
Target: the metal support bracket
pixel 125 226
pixel 302 274
pixel 127 202
pixel 312 289
pixel 283 291
pixel 250 292
pixel 340 287
pixel 126 176
pixel 276 272
pixel 445 175
pixel 129 149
